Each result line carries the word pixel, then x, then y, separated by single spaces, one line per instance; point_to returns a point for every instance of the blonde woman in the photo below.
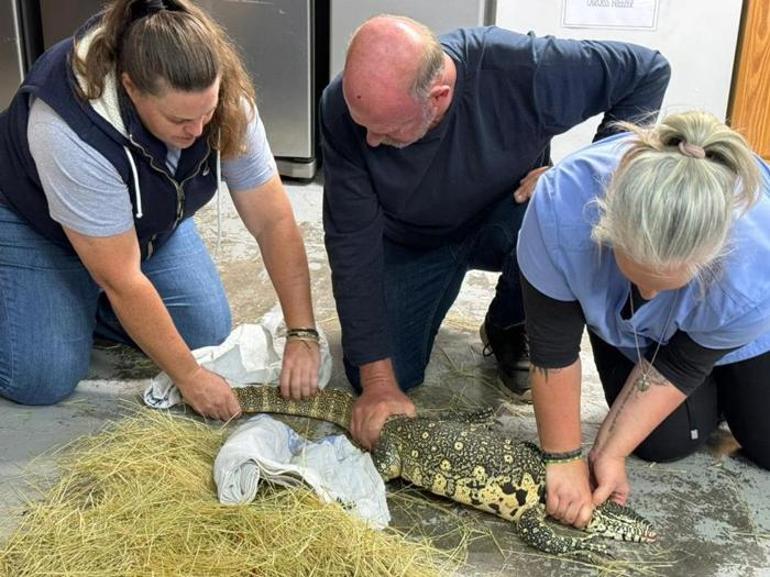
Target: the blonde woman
pixel 655 241
pixel 114 140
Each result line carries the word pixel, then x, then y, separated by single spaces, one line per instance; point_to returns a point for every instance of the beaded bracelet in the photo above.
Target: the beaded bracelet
pixel 565 457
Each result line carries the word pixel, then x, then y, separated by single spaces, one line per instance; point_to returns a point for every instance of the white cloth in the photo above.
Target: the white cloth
pixel 264 448
pixel 252 353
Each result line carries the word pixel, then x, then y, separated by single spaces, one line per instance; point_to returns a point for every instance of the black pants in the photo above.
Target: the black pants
pixel 739 392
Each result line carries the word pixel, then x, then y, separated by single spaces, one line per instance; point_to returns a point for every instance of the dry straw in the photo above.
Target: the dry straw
pixel 138 500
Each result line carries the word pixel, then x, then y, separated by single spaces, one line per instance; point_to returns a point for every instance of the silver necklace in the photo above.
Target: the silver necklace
pixel 644 383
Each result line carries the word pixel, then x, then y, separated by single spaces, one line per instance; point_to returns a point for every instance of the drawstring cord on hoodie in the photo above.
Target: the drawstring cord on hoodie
pixel 139 213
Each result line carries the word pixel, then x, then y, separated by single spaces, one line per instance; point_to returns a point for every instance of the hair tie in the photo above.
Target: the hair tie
pixel 691 150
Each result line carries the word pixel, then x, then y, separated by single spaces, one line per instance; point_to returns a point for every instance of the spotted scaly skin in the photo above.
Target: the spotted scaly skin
pixel 330 405
pixel 458 455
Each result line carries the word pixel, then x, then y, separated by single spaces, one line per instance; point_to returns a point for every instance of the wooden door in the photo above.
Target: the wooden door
pixel 750 100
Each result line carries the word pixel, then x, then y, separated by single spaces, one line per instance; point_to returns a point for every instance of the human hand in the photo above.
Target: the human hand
pixel 568 493
pixel 610 478
pixel 209 395
pixel 527 185
pixel 299 372
pixel 373 408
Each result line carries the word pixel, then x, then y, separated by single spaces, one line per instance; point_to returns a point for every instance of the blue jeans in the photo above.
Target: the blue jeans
pixel 422 284
pixel 51 309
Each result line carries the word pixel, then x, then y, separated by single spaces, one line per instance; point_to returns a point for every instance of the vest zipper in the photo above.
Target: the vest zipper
pixel 178 186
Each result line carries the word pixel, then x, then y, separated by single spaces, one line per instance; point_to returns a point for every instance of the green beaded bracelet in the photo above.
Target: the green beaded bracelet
pixel 565 457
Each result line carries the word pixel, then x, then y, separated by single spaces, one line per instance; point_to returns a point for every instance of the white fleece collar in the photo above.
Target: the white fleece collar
pixel 107 105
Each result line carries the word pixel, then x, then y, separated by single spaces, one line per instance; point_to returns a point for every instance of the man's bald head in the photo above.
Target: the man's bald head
pixel 392 64
pixel 393 54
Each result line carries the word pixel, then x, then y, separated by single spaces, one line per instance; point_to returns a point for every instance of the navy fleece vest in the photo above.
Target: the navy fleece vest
pixel 166 198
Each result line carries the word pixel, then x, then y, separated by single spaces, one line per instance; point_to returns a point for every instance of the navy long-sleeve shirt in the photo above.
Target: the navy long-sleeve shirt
pixel 513 93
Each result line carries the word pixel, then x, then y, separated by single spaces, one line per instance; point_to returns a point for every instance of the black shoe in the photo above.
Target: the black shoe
pixel 510 349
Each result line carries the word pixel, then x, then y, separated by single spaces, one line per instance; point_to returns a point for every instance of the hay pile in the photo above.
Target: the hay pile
pixel 139 500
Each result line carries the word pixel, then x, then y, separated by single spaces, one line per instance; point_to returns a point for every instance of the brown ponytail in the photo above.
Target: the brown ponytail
pixel 172 43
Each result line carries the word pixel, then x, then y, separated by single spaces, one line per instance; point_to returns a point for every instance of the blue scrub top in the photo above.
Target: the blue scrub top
pixel 558 257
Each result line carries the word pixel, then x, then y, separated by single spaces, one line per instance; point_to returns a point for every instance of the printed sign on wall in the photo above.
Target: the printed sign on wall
pixel 628 14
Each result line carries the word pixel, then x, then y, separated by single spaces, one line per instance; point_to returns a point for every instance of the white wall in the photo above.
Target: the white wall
pixel 698 37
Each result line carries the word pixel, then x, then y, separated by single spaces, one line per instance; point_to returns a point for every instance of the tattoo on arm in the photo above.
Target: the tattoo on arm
pixel 620 402
pixel 543 371
pixel 646 375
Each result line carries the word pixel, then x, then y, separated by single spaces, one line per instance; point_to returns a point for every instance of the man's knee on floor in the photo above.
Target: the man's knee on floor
pixel 409 385
pixel 410 377
pixel 406 380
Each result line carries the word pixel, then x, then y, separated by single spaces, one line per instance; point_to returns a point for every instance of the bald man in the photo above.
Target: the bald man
pixel 430 149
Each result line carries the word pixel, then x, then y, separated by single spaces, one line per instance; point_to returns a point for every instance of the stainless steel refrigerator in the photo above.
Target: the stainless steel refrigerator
pixel 278 42
pixel 11 51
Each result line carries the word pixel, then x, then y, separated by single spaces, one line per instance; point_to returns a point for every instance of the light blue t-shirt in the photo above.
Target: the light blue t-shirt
pixel 86 193
pixel 558 257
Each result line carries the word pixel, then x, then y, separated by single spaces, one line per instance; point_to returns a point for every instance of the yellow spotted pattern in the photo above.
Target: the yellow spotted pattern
pixel 463 457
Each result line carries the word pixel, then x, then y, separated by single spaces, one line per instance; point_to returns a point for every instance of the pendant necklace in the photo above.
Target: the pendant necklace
pixel 643 383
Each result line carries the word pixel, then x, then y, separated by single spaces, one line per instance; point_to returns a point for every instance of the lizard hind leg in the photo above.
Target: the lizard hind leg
pixel 533 530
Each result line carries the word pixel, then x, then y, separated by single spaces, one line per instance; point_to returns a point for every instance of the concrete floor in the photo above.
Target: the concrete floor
pixel 711 510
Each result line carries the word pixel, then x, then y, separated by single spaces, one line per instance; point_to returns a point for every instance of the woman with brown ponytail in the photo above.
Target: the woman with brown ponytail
pixel 115 139
pixel 656 241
